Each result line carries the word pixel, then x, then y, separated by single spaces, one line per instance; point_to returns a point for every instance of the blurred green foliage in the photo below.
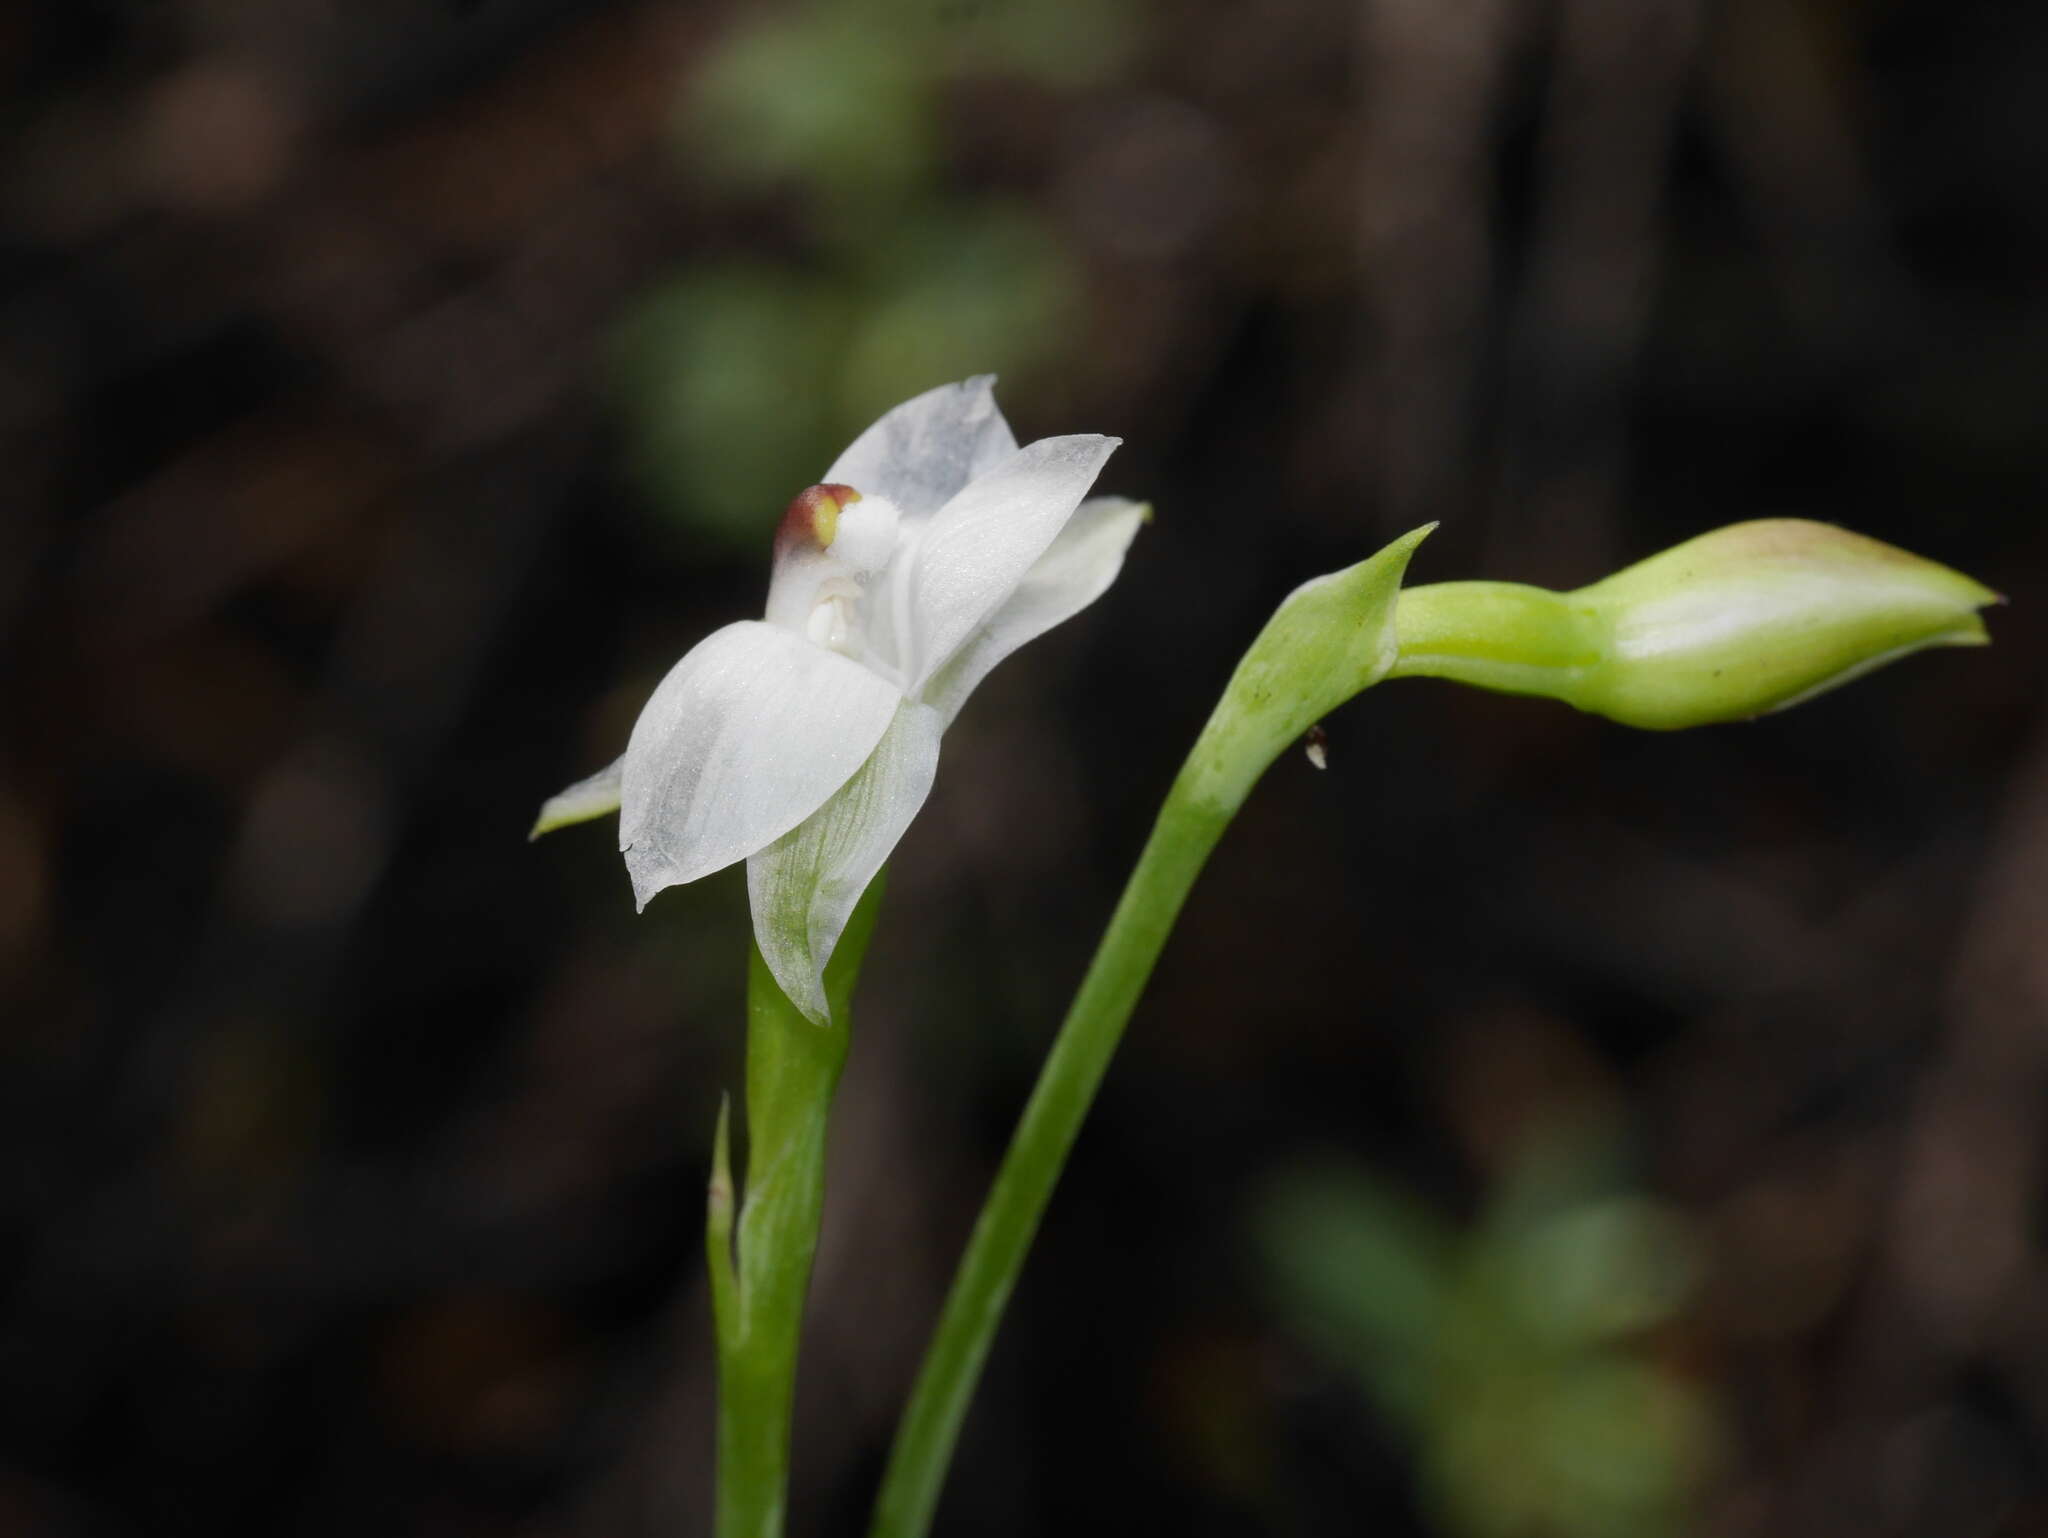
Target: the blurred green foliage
pixel 1516 1354
pixel 739 384
pixel 820 99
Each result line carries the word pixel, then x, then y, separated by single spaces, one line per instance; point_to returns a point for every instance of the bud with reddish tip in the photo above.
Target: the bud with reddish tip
pixel 1736 623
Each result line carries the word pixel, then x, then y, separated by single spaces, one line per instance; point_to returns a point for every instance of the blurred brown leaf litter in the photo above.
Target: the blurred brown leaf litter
pixel 1536 1129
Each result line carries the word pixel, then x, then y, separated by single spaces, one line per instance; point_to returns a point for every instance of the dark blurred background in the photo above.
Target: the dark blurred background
pixel 1535 1128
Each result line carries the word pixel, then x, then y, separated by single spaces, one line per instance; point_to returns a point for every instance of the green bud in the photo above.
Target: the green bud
pixel 1739 622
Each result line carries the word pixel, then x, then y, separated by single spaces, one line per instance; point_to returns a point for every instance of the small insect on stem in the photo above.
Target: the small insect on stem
pixel 1317 745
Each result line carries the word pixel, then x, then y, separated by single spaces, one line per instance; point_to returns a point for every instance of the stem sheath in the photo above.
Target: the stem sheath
pixel 758 1294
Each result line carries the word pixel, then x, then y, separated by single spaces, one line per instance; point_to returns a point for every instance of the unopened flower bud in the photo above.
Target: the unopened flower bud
pixel 1736 623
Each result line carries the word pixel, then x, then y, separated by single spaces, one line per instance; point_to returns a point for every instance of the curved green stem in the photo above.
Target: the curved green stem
pixel 1180 843
pixel 1330 639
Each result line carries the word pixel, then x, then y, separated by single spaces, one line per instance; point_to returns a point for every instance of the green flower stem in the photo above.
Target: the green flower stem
pixel 1503 636
pixel 757 1294
pixel 1173 856
pixel 1330 639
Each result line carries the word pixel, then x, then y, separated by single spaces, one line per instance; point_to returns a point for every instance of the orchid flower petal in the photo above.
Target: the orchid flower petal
pixel 803 887
pixel 744 739
pixel 587 798
pixel 920 454
pixel 1076 569
pixel 978 548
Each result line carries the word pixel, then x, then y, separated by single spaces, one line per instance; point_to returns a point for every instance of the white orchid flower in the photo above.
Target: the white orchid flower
pixel 806 741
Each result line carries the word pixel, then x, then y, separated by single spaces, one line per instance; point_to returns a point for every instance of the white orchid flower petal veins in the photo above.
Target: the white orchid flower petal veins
pixel 921 453
pixel 1076 569
pixel 744 739
pixel 804 887
pixel 979 547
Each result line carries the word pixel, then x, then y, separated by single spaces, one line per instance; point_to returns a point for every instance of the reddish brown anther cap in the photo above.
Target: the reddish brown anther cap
pixel 813 516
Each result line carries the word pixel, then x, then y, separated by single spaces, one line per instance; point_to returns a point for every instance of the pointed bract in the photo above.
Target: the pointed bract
pixel 1330 638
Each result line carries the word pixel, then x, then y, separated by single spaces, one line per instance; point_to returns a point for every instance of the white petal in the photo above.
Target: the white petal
pixel 805 885
pixel 743 740
pixel 922 452
pixel 976 550
pixel 580 802
pixel 1076 569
